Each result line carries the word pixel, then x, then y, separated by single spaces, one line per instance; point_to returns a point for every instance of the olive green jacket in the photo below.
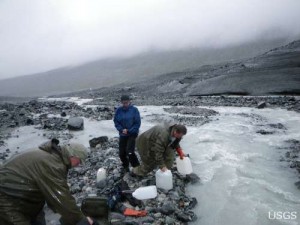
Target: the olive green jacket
pixel 38 176
pixel 154 146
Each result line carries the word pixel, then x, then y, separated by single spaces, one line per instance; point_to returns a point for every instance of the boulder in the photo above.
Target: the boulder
pixel 75 123
pixel 261 105
pixel 99 140
pixel 63 114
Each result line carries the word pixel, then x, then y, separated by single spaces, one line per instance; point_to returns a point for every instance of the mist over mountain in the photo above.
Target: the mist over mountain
pixel 275 72
pixel 105 73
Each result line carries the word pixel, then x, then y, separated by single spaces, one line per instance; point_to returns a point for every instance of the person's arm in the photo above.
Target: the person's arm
pixel 137 123
pixel 54 187
pixel 117 121
pixel 169 158
pixel 178 149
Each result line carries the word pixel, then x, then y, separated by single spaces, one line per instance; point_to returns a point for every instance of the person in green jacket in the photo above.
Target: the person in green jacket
pixel 30 179
pixel 156 147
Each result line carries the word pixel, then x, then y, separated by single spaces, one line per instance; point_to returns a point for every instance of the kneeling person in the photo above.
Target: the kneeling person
pixel 34 177
pixel 156 147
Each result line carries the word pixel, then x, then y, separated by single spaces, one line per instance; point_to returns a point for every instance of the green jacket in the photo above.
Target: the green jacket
pixel 38 176
pixel 154 146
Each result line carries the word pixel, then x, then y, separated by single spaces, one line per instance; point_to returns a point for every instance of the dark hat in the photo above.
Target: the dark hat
pixel 180 128
pixel 125 98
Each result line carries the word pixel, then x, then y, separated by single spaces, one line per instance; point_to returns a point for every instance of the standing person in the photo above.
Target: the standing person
pixel 127 121
pixel 36 176
pixel 156 147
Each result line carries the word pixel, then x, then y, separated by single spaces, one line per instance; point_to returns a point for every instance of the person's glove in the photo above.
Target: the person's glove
pixel 180 152
pixel 132 212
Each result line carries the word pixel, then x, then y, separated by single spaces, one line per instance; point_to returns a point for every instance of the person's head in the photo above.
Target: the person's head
pixel 77 152
pixel 125 100
pixel 179 131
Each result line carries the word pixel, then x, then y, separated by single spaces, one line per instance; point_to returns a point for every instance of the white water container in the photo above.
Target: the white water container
pixel 164 180
pixel 184 166
pixel 144 193
pixel 101 175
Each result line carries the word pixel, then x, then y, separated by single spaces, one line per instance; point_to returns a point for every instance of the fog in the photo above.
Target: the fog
pixel 41 35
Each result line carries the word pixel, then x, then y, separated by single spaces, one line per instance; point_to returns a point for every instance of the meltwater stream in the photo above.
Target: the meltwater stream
pixel 243 180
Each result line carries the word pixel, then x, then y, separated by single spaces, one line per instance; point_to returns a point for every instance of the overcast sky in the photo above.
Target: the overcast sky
pixel 39 35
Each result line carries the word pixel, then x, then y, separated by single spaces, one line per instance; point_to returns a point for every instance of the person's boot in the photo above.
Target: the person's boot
pixel 136 172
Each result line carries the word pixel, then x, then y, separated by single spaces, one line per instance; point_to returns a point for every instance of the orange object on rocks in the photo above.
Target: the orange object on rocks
pixel 132 212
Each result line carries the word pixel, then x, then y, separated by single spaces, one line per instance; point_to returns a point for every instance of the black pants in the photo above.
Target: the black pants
pixel 126 151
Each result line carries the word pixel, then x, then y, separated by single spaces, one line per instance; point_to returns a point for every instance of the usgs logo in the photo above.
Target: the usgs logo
pixel 282 215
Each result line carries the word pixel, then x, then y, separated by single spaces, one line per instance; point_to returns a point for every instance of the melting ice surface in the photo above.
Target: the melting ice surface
pixel 242 176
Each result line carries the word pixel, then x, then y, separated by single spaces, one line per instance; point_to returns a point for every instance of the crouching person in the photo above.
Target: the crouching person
pixel 156 147
pixel 36 176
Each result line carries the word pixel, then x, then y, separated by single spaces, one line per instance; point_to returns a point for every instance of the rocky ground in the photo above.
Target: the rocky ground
pixel 173 207
pixel 170 207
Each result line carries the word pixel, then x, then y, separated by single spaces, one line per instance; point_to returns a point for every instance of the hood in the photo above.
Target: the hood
pixel 47 146
pixel 52 147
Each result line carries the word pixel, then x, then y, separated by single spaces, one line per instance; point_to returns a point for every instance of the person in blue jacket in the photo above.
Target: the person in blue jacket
pixel 127 121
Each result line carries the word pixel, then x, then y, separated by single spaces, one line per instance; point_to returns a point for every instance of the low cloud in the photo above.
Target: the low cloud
pixel 40 35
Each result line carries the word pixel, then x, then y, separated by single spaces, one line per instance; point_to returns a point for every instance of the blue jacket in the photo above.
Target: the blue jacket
pixel 127 118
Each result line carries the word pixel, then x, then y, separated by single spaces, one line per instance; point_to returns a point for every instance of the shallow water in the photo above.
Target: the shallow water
pixel 242 177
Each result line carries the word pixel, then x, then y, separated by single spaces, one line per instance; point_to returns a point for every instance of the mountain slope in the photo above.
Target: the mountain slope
pixel 104 73
pixel 275 72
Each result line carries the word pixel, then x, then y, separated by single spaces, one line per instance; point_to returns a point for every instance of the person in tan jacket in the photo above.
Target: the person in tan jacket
pixel 38 176
pixel 156 147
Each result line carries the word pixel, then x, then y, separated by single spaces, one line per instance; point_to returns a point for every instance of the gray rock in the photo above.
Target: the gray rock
pixel 261 105
pixel 183 217
pixel 192 178
pixel 169 220
pixel 75 123
pixel 116 218
pixel 99 140
pixel 193 203
pixel 167 208
pixel 147 219
pixel 264 132
pixel 157 215
pixel 101 184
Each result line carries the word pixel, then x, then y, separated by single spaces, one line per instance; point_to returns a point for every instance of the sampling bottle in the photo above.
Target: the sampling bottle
pixel 101 175
pixel 164 180
pixel 184 166
pixel 143 193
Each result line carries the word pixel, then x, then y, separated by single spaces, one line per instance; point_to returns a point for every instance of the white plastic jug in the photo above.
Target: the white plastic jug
pixel 164 180
pixel 143 193
pixel 101 174
pixel 184 166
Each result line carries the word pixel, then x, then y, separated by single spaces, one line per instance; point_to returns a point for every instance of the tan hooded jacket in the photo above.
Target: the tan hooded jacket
pixel 38 176
pixel 154 146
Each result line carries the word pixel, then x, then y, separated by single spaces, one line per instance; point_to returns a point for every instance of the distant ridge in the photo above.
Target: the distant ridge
pixel 109 72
